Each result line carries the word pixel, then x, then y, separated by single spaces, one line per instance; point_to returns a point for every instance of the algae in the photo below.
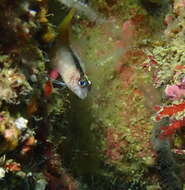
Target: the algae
pixel 56 141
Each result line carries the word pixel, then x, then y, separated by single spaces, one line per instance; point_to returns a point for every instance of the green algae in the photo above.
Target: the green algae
pixel 107 102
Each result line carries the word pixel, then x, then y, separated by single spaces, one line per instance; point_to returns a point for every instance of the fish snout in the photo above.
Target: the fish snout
pixel 81 92
pixel 82 88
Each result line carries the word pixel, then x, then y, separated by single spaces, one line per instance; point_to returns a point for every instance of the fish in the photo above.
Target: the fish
pixel 71 70
pixel 66 63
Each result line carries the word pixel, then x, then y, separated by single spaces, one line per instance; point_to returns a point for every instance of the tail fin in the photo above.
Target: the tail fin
pixel 64 27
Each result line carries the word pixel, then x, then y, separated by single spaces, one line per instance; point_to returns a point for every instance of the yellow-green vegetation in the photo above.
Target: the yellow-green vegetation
pixel 117 105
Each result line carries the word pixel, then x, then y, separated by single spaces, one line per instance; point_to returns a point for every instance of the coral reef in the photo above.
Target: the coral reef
pixel 10 132
pixel 13 86
pixel 24 29
pixel 51 140
pixel 168 76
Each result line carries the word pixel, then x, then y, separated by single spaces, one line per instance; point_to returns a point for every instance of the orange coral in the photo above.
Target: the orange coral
pixel 28 145
pixel 13 166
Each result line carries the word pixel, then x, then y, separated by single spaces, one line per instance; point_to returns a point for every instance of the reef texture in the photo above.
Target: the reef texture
pixel 134 55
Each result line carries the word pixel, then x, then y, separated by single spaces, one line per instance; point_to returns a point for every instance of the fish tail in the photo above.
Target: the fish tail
pixel 64 26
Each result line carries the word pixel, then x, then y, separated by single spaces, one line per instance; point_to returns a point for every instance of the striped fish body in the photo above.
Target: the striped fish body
pixel 70 68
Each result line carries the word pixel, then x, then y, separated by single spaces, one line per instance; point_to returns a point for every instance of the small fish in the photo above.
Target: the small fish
pixel 66 63
pixel 70 68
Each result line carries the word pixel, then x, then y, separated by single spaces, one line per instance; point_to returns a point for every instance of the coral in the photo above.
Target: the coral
pixel 23 73
pixel 21 123
pixel 167 131
pixel 168 75
pixel 174 92
pixel 169 59
pixel 12 85
pixel 50 139
pixel 2 173
pixel 9 133
pixel 12 166
pixel 28 145
pixel 169 71
pixel 167 166
pixel 171 110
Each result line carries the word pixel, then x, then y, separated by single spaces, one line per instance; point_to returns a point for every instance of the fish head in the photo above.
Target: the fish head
pixel 71 70
pixel 82 87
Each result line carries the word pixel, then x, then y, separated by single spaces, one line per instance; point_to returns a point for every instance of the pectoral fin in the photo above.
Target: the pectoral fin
pixel 59 83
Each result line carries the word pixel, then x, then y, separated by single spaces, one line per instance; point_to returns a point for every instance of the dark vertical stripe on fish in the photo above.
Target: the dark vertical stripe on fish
pixel 77 62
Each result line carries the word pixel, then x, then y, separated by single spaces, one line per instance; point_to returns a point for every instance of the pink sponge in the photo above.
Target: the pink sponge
pixel 174 92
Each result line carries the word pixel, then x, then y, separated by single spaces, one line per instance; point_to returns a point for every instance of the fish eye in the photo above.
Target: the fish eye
pixel 83 83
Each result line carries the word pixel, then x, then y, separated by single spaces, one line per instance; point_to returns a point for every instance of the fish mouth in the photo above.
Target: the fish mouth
pixel 81 92
pixel 80 89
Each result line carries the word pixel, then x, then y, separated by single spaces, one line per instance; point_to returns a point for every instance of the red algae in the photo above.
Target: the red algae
pixel 171 110
pixel 114 144
pixel 169 130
